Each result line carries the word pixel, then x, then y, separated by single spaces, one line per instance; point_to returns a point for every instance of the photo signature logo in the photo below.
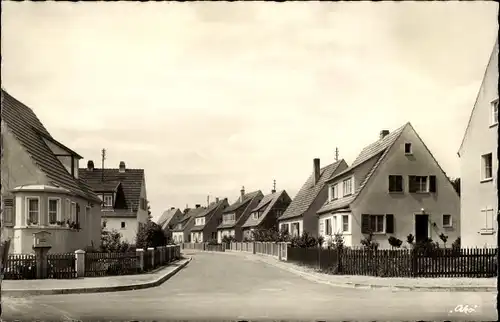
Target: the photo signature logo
pixel 466 309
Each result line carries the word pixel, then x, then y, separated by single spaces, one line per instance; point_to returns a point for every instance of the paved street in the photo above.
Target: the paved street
pixel 219 286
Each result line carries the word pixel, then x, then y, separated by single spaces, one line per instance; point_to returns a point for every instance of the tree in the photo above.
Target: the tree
pixel 150 217
pixel 111 242
pixel 456 184
pixel 150 234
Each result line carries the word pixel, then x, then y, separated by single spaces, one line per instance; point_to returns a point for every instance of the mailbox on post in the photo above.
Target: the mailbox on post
pixel 41 246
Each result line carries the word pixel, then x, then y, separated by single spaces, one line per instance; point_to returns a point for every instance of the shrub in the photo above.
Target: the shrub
pixel 369 243
pixel 410 239
pixel 150 234
pixel 427 248
pixel 337 242
pixel 212 242
pixel 304 241
pixel 228 239
pixel 395 242
pixel 444 238
pixel 111 242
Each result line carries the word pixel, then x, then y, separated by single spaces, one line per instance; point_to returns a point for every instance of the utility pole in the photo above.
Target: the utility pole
pixel 336 154
pixel 103 155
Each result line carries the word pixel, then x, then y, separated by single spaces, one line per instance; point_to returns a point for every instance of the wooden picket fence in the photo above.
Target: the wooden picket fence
pixel 106 264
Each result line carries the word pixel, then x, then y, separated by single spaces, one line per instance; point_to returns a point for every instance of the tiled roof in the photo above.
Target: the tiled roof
pixel 246 198
pixel 192 213
pixel 265 205
pixel 378 149
pixel 118 213
pixel 212 208
pixel 30 132
pixel 247 202
pixel 106 186
pixel 308 193
pixel 167 216
pixel 131 181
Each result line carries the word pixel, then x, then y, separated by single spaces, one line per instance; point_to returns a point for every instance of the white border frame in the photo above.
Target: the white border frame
pixel 58 214
pixel 26 211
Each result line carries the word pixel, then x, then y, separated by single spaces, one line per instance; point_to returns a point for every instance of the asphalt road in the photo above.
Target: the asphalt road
pixel 221 286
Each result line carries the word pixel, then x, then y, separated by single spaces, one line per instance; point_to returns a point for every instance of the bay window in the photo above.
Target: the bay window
pixel 54 210
pixel 33 210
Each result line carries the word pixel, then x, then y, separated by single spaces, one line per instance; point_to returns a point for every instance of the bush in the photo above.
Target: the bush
pixel 228 239
pixel 304 241
pixel 369 243
pixel 212 242
pixel 395 242
pixel 150 234
pixel 111 242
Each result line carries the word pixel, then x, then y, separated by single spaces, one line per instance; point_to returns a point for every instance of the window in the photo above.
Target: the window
pixel 328 227
pixel 345 223
pixel 494 112
pixel 104 224
pixel 333 192
pixel 295 229
pixel 395 183
pixel 68 210
pixel 33 210
pixel 257 214
pixel 446 220
pixel 200 221
pixel 123 224
pixel 347 187
pixel 489 217
pixel 418 184
pixel 279 212
pixel 144 204
pixel 77 214
pixel 377 223
pixel 408 148
pixel 108 200
pixel 228 218
pixel 73 212
pixel 335 228
pixel 284 228
pixel 8 209
pixel 486 166
pixel 54 210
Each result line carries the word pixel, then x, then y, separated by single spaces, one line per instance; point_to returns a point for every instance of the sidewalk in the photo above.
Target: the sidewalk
pixel 15 288
pixel 371 282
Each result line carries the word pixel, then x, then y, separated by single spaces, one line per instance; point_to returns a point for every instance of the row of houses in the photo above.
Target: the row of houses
pixel 395 187
pixel 44 189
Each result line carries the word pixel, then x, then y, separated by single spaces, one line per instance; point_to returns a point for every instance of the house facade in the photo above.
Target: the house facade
pixel 265 215
pixel 205 224
pixel 301 215
pixel 122 191
pixel 181 233
pixel 41 187
pixel 168 220
pixel 395 187
pixel 236 215
pixel 479 164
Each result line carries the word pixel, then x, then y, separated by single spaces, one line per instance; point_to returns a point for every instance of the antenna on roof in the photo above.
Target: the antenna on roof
pixel 103 154
pixel 336 154
pixel 274 186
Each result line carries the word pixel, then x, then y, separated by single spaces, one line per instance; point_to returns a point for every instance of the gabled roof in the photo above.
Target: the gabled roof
pixel 167 216
pixel 265 205
pixel 240 203
pixel 111 186
pixel 192 213
pixel 309 192
pixel 131 181
pixel 30 133
pixel 493 58
pixel 378 149
pixel 211 209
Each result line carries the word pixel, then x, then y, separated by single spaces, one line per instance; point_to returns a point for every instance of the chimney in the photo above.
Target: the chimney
pixel 90 165
pixel 274 187
pixel 172 208
pixel 208 201
pixel 122 166
pixel 217 200
pixel 242 193
pixel 198 206
pixel 383 134
pixel 317 171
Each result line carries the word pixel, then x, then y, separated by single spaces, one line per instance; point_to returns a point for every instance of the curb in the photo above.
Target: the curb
pixel 317 279
pixel 104 289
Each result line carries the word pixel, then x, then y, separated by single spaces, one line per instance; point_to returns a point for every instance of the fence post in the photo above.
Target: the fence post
pixel 279 251
pixel 162 255
pixel 253 247
pixel 151 251
pixel 140 259
pixel 80 263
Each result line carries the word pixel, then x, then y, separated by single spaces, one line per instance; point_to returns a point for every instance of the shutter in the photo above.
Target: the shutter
pixel 411 184
pixel 389 224
pixel 321 227
pixel 365 224
pixel 390 185
pixel 432 184
pixel 399 183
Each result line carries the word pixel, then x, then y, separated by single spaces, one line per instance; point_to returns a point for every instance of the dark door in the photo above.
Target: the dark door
pixel 421 228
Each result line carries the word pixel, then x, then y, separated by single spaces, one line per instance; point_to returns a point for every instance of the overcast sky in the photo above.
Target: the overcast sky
pixel 207 97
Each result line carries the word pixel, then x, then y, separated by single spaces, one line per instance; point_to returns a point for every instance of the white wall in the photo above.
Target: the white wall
pixel 129 233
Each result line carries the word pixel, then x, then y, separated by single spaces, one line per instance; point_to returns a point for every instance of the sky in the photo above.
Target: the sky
pixel 208 97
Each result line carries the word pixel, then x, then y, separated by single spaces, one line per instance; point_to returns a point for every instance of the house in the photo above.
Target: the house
pixel 394 187
pixel 236 215
pixel 123 194
pixel 41 187
pixel 265 214
pixel 181 232
pixel 182 228
pixel 205 223
pixel 168 219
pixel 301 215
pixel 479 164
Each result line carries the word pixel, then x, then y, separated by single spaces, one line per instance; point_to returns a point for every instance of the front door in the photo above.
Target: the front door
pixel 421 228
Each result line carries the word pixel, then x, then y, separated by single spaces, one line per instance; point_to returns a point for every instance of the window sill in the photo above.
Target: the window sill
pixel 396 192
pixel 486 180
pixel 487 231
pixel 422 192
pixel 493 125
pixel 409 154
pixel 448 227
